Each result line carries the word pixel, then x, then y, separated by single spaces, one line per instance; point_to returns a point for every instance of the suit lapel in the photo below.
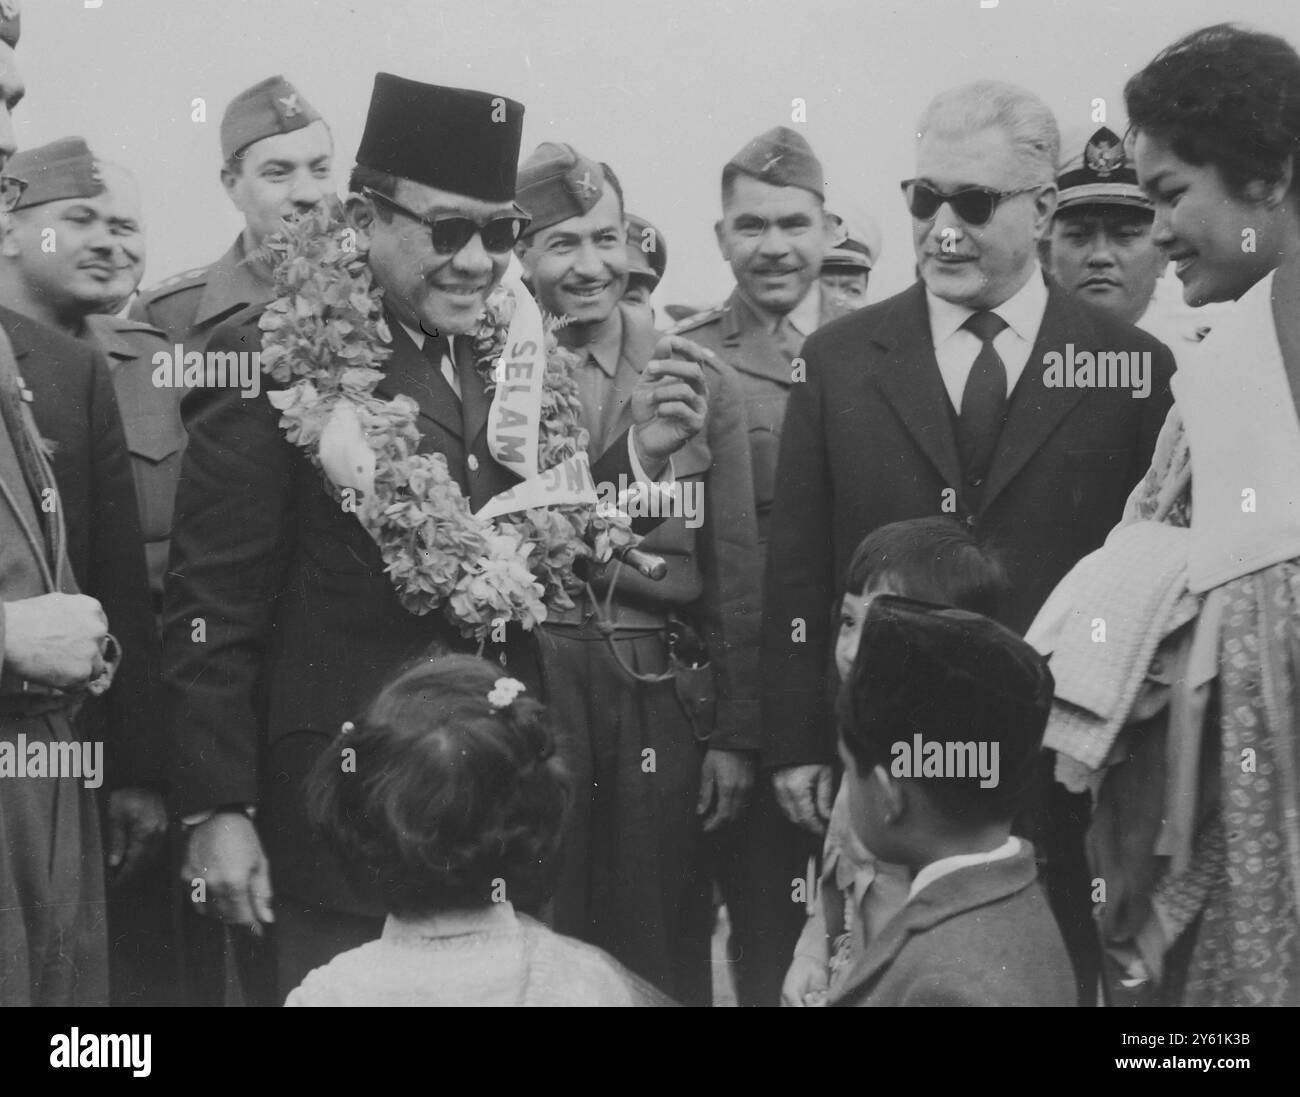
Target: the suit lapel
pixel 410 373
pixel 951 895
pixel 474 401
pixel 908 376
pixel 1035 410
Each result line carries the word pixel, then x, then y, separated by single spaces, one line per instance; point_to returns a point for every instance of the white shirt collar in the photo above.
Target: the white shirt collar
pixel 945 865
pixel 418 337
pixel 1023 311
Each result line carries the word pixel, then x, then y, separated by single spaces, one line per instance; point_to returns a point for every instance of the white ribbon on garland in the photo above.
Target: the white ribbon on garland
pixel 514 420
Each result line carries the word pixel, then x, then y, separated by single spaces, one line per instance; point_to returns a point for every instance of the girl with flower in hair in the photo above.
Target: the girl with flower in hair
pixel 448 799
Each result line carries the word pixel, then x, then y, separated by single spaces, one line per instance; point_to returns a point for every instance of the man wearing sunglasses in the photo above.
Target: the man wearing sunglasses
pixel 303 622
pixel 940 401
pixel 277 158
pixel 632 881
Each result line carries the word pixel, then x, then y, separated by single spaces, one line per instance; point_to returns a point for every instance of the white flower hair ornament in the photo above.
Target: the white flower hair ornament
pixel 503 693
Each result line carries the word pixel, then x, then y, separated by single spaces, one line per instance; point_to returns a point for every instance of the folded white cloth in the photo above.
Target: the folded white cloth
pixel 1100 628
pixel 1240 417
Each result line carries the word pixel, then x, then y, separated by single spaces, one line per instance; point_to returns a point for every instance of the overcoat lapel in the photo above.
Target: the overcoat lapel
pixel 907 373
pixel 1035 410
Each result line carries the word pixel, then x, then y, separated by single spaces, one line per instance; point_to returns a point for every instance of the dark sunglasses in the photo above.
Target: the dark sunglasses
pixel 450 234
pixel 974 205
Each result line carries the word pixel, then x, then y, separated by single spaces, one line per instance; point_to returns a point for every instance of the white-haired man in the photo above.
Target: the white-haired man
pixel 958 396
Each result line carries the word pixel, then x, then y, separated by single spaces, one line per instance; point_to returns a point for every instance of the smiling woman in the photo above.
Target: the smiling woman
pixel 1202 904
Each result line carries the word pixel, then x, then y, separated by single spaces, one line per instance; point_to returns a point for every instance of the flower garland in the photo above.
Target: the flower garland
pixel 325 338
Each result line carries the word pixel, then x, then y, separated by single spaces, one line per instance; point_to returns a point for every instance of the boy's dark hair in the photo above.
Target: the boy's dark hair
pixel 445 795
pixel 1225 96
pixel 949 676
pixel 933 560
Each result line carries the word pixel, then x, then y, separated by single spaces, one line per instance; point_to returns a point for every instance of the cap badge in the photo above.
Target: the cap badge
pixel 588 187
pixel 1104 154
pixel 9 8
pixel 289 106
pixel 95 175
pixel 772 163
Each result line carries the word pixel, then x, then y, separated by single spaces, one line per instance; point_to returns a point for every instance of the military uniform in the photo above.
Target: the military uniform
pixel 736 333
pixel 155 435
pixel 189 307
pixel 632 881
pixel 757 857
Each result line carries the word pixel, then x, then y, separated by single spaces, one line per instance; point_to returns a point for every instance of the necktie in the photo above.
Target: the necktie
pixel 437 349
pixel 594 387
pixel 983 401
pixel 788 338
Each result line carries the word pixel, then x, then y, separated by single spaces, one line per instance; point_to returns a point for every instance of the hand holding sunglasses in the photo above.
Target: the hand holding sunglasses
pixel 450 234
pixel 974 205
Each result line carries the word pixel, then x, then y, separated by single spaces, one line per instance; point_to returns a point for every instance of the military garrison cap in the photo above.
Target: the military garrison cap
pixel 1100 175
pixel 65 168
pixel 647 253
pixel 264 110
pixel 557 182
pixel 782 158
pixel 455 139
pixel 10 22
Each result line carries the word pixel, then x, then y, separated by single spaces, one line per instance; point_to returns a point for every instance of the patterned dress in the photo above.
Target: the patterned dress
pixel 1244 880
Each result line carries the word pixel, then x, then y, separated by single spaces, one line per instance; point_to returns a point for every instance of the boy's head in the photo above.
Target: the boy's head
pixel 941 723
pixel 451 796
pixel 930 559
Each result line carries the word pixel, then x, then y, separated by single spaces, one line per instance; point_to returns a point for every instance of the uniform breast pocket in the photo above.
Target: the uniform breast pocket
pixel 156 446
pixel 1098 482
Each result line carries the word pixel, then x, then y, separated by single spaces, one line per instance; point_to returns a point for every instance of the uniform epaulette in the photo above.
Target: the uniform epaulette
pixel 176 282
pixel 697 321
pixel 129 323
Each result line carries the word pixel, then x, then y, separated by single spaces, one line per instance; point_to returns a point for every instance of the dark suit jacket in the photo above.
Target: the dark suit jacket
pixel 302 624
pixel 76 412
pixel 869 440
pixel 980 936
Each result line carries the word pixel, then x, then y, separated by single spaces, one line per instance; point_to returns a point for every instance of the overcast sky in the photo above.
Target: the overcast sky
pixel 664 90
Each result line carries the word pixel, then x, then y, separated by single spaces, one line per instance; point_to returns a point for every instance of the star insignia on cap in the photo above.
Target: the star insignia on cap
pixel 1104 153
pixel 289 105
pixel 588 187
